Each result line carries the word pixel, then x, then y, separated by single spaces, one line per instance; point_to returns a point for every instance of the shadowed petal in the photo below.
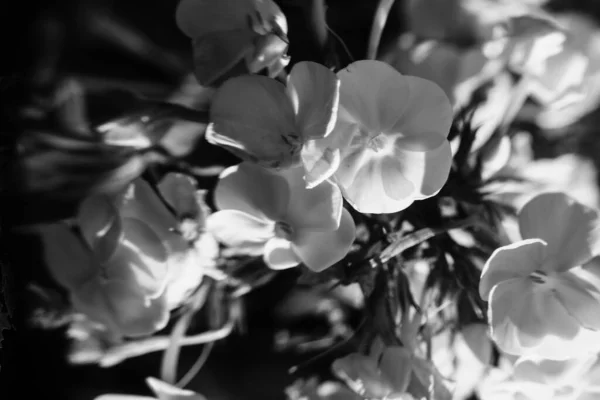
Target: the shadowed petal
pixel 571 229
pixel 69 261
pixel 280 255
pixel 239 229
pixel 516 260
pixel 254 190
pixel 374 94
pixel 314 91
pixel 396 366
pixel 320 250
pixel 216 54
pixel 427 118
pixel 198 17
pixel 179 191
pixel 580 300
pixel 100 225
pixel 253 117
pixel 317 209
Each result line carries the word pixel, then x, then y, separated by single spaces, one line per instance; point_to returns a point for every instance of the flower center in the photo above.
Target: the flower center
pixel 539 277
pixel 283 230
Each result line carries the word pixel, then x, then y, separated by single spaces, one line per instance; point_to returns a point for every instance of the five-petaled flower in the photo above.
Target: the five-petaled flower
pixel 234 37
pixel 263 121
pixel 389 146
pixel 543 291
pixel 273 213
pixel 134 260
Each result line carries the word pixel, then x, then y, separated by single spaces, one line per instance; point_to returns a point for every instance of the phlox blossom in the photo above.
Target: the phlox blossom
pixel 383 378
pixel 234 37
pixel 131 265
pixel 274 214
pixel 263 121
pixel 542 291
pixel 389 146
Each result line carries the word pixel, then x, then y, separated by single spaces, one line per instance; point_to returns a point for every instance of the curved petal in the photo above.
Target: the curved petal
pixel 516 260
pixel 427 171
pixel 278 254
pixel 123 309
pixel 362 375
pixel 316 209
pixel 238 229
pixel 141 252
pixel 374 94
pixel 253 117
pixel 322 157
pixel 199 17
pixel 70 263
pixel 315 92
pixel 428 114
pixel 141 202
pixel 217 54
pixel 179 191
pixel 254 190
pixel 361 179
pixel 100 225
pixel 579 301
pixel 320 250
pixel 396 366
pixel 166 391
pixel 571 229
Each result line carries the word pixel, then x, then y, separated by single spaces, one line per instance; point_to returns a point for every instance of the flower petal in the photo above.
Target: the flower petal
pixel 571 229
pixel 361 179
pixel 314 91
pixel 197 17
pixel 362 375
pixel 179 191
pixel 239 229
pixel 582 305
pixel 320 250
pixel 374 94
pixel 100 225
pixel 253 117
pixel 254 190
pixel 279 254
pixel 316 209
pixel 516 260
pixel 217 55
pixel 68 260
pixel 396 366
pixel 428 114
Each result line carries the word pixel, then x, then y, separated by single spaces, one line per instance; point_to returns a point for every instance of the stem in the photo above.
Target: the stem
pixel 315 15
pixel 119 354
pixel 381 16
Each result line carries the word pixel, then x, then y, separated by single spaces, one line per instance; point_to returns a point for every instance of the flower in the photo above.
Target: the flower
pixel 162 391
pixel 274 214
pixel 263 121
pixel 389 145
pixel 386 377
pixel 542 292
pixel 131 265
pixel 234 37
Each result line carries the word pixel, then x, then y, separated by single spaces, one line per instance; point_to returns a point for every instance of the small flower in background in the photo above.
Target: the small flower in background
pixel 389 139
pixel 162 391
pixel 311 389
pixel 542 292
pixel 261 120
pixel 381 378
pixel 131 265
pixel 274 214
pixel 234 37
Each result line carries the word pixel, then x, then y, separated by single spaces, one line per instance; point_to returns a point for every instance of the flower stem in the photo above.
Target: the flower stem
pixel 381 16
pixel 317 23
